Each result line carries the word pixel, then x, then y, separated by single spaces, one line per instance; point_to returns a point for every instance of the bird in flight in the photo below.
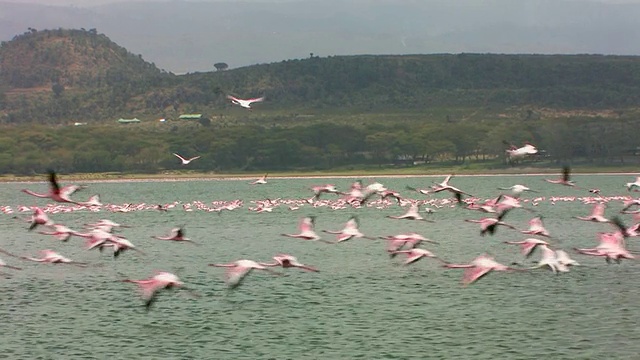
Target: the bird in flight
pixel 245 103
pixel 186 161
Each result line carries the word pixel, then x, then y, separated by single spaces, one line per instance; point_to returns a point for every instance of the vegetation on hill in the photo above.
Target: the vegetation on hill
pixel 320 113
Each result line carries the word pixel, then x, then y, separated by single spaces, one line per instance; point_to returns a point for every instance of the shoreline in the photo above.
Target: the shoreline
pixel 111 178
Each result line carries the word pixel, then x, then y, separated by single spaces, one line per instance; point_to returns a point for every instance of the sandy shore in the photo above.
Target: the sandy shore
pixel 208 177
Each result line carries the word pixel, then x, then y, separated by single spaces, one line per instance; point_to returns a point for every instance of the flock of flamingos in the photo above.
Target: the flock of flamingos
pixel 103 234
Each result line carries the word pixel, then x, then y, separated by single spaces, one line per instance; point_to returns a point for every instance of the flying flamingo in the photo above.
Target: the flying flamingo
pixel 517 189
pixel 260 181
pixel 597 214
pixel 177 234
pixel 528 245
pixel 323 189
pixel 350 231
pixel 56 193
pixel 633 186
pixel 149 288
pixel 288 261
pixel 244 103
pixel 396 242
pixel 550 259
pixel 564 259
pixel 565 179
pixel 489 224
pixel 416 254
pixel 61 232
pixel 306 230
pixel 479 267
pixel 444 186
pixel 411 214
pixel 536 227
pixel 4 264
pixel 39 217
pixel 184 160
pixel 238 270
pixel 48 256
pixel 515 153
pixel 611 247
pixel 93 201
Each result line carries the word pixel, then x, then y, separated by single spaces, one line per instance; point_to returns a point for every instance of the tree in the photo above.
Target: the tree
pixel 221 66
pixel 57 89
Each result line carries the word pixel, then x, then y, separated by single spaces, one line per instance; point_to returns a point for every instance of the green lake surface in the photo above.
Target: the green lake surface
pixel 361 305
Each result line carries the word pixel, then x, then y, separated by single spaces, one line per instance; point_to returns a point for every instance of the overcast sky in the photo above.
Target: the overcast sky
pixel 100 2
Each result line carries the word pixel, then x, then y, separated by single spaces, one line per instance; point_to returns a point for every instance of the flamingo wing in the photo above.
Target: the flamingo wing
pixel 236 274
pixel 474 273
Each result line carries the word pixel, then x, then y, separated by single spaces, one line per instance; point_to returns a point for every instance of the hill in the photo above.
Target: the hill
pixel 54 76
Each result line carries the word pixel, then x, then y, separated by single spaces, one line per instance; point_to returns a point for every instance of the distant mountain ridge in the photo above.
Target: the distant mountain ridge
pixel 184 37
pixel 55 75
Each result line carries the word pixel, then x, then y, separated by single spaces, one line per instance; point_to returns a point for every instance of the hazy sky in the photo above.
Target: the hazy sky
pixel 100 2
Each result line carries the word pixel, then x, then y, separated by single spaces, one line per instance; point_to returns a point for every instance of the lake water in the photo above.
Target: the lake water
pixel 361 305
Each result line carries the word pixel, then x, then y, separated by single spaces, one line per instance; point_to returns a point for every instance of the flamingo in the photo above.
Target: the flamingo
pixel 411 214
pixel 185 161
pixel 56 193
pixel 611 247
pixel 61 232
pixel 4 264
pixel 323 189
pixel 550 259
pixel 288 261
pixel 350 231
pixel 396 242
pixel 306 230
pixel 528 245
pixel 93 201
pixel 177 234
pixel 597 214
pixel 633 186
pixel 244 103
pixel 565 179
pixel 149 288
pixel 517 189
pixel 489 224
pixel 238 270
pixel 479 267
pixel 444 186
pixel 564 259
pixel 260 181
pixel 514 152
pixel 416 254
pixel 536 227
pixel 39 217
pixel 48 256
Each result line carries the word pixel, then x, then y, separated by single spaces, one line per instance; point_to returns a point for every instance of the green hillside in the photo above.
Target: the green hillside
pixel 342 112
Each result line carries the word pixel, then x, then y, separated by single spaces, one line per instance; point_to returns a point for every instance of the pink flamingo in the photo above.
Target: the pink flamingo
pixel 633 186
pixel 185 161
pixel 528 245
pixel 323 189
pixel 288 261
pixel 244 103
pixel 550 259
pixel 93 201
pixel 565 179
pixel 517 189
pixel 396 242
pixel 479 267
pixel 4 264
pixel 260 181
pixel 416 254
pixel 39 217
pixel 444 186
pixel 306 230
pixel 597 214
pixel 56 193
pixel 238 270
pixel 350 231
pixel 515 153
pixel 611 247
pixel 149 288
pixel 177 234
pixel 411 214
pixel 536 227
pixel 48 256
pixel 490 224
pixel 61 232
pixel 564 259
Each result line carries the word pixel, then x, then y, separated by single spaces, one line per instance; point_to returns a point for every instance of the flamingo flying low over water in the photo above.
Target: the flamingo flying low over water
pixel 306 230
pixel 416 254
pixel 260 181
pixel 245 103
pixel 149 288
pixel 479 267
pixel 288 261
pixel 351 230
pixel 177 234
pixel 238 270
pixel 184 160
pixel 514 152
pixel 57 193
pixel 48 256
